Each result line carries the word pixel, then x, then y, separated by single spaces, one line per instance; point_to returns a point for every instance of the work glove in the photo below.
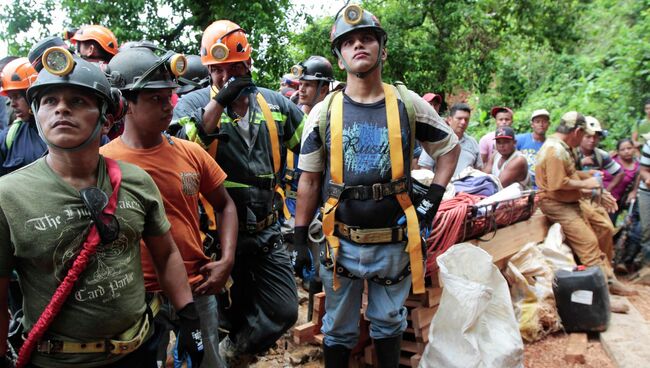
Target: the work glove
pixel 189 336
pixel 231 90
pixel 6 362
pixel 303 261
pixel 428 207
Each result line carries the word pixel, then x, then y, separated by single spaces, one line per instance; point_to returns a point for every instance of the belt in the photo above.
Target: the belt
pixel 269 220
pixel 126 343
pixel 370 236
pixel 118 346
pixel 366 192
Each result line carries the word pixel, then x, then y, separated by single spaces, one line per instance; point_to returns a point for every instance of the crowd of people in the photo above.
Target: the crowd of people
pixel 144 191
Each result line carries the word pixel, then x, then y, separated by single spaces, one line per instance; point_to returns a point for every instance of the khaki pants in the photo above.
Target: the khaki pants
pixel 588 231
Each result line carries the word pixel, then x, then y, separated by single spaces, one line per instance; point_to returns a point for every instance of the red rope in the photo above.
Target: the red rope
pixel 447 226
pixel 65 288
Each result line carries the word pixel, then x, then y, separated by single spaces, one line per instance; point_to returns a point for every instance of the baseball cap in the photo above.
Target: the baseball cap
pixel 592 125
pixel 573 119
pixel 504 132
pixel 287 91
pixel 497 109
pixel 428 97
pixel 540 112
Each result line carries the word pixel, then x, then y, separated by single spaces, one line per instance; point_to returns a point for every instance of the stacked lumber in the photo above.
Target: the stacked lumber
pixel 421 308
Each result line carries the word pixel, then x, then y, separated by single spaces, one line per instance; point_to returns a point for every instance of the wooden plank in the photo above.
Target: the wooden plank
pixel 433 295
pixel 319 308
pixel 422 316
pixel 410 346
pixel 509 240
pixel 415 360
pixel 576 348
pixel 319 339
pixel 305 332
pixel 626 338
pixel 369 355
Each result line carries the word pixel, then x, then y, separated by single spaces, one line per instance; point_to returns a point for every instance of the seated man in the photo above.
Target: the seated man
pixel 590 157
pixel 530 143
pixel 503 117
pixel 508 164
pixel 562 188
pixel 458 120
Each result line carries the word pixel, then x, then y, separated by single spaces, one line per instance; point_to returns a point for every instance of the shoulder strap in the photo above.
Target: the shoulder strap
pixel 11 134
pixel 325 109
pixel 404 95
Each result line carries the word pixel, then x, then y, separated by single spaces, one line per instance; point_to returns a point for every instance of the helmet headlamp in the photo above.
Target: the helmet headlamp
pixel 219 51
pixel 58 61
pixel 352 14
pixel 297 70
pixel 178 64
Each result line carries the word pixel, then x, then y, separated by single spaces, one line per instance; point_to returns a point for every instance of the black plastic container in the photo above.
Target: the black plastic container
pixel 582 299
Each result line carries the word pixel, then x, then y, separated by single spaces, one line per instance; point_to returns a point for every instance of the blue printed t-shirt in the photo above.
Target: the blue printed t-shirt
pixel 366 154
pixel 529 147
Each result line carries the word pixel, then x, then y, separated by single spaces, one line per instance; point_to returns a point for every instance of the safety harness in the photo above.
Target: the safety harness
pixel 269 183
pixel 397 187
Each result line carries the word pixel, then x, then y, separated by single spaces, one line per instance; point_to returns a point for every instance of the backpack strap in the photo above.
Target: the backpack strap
pixel 324 111
pixel 405 96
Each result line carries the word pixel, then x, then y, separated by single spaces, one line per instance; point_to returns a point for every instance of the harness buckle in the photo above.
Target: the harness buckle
pixel 377 191
pixel 335 189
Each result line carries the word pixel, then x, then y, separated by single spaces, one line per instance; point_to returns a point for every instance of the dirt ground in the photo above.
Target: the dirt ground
pixel 545 353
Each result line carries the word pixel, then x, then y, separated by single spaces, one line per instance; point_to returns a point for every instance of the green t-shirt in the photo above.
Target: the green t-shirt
pixel 642 127
pixel 43 223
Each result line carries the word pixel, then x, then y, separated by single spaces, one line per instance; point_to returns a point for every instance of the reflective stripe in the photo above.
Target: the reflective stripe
pixel 233 184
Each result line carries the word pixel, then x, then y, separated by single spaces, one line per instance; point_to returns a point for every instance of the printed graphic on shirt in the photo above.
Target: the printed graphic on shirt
pixel 366 149
pixel 190 183
pixel 107 271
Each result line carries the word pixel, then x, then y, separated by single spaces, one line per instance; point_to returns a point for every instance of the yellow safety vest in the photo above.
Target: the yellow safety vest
pixel 414 245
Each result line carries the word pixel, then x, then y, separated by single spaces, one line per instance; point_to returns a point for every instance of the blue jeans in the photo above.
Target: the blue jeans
pixel 385 311
pixel 644 214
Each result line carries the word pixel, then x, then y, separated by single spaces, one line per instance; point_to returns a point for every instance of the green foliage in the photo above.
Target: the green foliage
pixel 605 74
pixel 265 21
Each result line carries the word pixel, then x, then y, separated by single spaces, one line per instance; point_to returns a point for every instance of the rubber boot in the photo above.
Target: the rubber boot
pixel 336 356
pixel 388 351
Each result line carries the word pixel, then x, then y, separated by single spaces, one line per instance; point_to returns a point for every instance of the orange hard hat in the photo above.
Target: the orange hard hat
pixel 102 35
pixel 17 75
pixel 224 42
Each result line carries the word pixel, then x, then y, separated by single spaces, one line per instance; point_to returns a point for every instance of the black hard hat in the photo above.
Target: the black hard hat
pixel 196 76
pixel 317 68
pixel 140 68
pixel 84 75
pixel 353 18
pixel 141 43
pixel 39 48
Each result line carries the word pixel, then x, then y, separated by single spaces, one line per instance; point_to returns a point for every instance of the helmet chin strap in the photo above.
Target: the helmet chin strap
pixel 313 99
pixel 361 75
pixel 93 136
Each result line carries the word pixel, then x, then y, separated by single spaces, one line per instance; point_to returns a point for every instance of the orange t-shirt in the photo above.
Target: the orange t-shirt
pixel 181 171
